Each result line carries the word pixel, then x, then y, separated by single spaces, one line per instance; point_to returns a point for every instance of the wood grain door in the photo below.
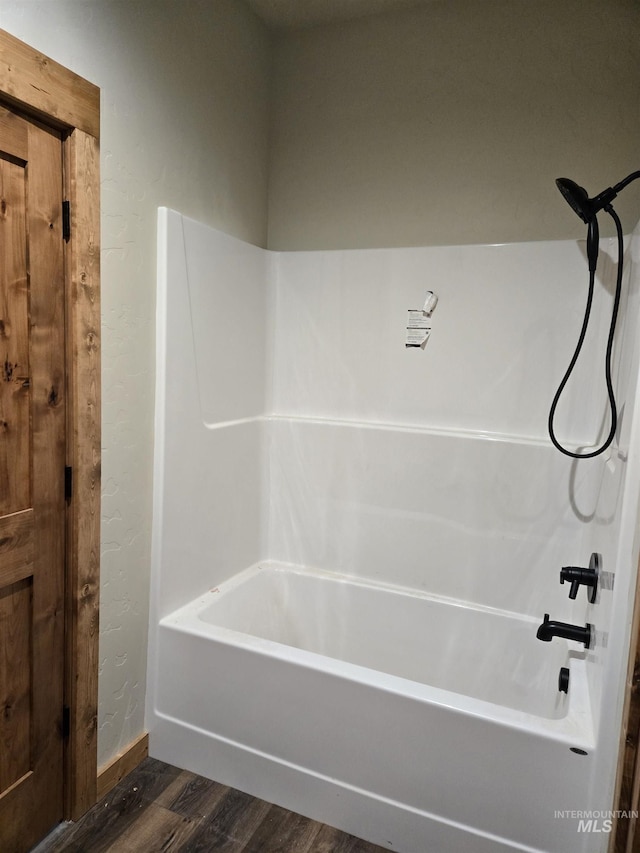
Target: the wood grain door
pixel 32 464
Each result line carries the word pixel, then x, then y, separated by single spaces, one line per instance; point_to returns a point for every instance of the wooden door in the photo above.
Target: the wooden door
pixel 32 463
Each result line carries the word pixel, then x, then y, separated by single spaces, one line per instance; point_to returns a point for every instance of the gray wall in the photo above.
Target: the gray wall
pixel 449 124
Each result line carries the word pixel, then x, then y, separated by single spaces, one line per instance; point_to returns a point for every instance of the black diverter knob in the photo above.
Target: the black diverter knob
pixel 563 679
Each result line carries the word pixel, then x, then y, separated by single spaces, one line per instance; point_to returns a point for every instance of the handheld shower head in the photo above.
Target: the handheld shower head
pixel 586 207
pixel 577 197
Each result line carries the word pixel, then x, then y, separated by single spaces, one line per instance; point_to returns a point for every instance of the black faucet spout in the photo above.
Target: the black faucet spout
pixel 550 629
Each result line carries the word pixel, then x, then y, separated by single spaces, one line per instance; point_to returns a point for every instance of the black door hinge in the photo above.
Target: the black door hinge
pixel 66 221
pixel 66 721
pixel 68 483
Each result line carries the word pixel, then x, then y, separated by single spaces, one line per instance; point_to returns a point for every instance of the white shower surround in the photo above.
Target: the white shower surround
pixel 293 425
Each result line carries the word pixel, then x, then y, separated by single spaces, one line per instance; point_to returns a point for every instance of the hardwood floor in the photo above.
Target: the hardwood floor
pixel 161 808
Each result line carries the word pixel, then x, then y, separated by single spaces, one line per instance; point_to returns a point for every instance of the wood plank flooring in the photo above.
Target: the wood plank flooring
pixel 162 808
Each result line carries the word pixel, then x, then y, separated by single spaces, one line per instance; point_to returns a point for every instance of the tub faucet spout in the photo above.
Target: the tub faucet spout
pixel 549 629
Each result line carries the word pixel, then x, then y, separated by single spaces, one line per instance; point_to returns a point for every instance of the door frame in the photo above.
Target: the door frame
pixel 625 837
pixel 40 87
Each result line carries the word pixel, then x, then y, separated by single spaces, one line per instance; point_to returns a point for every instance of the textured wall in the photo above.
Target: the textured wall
pixel 184 122
pixel 449 124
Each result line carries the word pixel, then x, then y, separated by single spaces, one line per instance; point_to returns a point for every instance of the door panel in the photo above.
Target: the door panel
pixel 15 677
pixel 15 493
pixel 32 459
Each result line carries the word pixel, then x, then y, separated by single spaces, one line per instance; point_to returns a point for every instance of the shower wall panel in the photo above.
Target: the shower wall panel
pixel 502 334
pixel 226 287
pixel 461 516
pixel 432 468
pixel 211 351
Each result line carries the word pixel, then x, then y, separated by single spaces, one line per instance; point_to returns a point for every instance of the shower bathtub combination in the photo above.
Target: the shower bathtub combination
pixel 355 542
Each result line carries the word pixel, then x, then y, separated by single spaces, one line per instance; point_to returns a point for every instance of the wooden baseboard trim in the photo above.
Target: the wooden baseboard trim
pixel 110 774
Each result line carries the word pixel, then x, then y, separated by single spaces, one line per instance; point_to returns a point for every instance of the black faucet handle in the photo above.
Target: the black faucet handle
pixel 577 576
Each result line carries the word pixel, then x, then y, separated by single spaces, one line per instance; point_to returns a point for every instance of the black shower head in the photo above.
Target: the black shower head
pixel 586 207
pixel 577 197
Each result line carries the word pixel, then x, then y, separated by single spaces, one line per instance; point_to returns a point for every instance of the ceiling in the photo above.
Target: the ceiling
pixel 293 14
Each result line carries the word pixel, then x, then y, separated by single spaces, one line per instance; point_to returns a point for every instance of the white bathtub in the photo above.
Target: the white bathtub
pixel 418 723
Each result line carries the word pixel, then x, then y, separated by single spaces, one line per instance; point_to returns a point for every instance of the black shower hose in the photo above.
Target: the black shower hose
pixel 607 365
